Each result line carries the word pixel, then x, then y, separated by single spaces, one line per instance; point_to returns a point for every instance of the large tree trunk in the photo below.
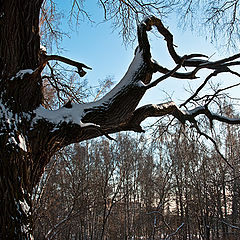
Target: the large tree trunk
pixel 16 189
pixel 19 50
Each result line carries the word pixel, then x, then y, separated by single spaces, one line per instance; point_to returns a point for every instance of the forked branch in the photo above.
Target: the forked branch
pixel 78 65
pixel 117 110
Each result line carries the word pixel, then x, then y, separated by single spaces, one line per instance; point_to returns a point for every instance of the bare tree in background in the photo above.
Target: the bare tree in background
pixel 185 191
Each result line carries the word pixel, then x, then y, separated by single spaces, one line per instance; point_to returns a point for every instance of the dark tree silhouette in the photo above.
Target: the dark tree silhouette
pixel 31 134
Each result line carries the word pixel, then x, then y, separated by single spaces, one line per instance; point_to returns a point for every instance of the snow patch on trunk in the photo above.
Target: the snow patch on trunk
pixel 21 73
pixel 25 207
pixel 6 114
pixel 22 143
pixel 43 48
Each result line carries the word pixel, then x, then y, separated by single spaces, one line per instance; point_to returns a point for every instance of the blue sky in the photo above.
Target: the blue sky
pixel 98 46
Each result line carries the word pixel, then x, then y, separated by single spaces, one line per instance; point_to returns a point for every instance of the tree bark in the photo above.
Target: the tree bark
pixel 19 48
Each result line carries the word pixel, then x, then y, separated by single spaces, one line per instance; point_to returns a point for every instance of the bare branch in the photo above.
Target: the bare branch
pixel 232 226
pixel 214 143
pixel 116 111
pixel 161 69
pixel 167 75
pixel 174 233
pixel 200 88
pixel 78 65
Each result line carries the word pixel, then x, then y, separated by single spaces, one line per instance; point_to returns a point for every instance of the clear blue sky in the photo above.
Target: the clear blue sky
pixel 98 46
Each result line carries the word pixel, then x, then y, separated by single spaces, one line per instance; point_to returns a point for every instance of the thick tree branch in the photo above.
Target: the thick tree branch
pixel 78 65
pixel 167 75
pixel 168 37
pixel 190 62
pixel 116 111
pixel 179 75
pixel 31 134
pixel 170 108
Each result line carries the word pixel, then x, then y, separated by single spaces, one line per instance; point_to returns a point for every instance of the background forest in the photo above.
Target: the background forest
pixel 168 185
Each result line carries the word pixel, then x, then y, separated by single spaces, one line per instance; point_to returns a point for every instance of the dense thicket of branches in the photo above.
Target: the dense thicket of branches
pixel 173 185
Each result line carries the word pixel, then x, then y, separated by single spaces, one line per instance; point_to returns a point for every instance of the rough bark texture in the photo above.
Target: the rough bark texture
pixel 30 135
pixel 19 49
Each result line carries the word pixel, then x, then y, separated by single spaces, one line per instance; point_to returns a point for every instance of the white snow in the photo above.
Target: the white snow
pixel 25 207
pixel 21 73
pixel 164 105
pixel 25 228
pixel 11 123
pixel 22 143
pixel 135 65
pixel 43 48
pixel 12 140
pixel 61 115
pixel 195 110
pixel 73 115
pixel 140 84
pixel 8 115
pixel 76 113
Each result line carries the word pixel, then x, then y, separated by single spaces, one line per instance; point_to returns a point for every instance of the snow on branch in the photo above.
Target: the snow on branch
pixel 73 114
pixel 232 226
pixel 76 112
pixel 117 110
pixel 170 108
